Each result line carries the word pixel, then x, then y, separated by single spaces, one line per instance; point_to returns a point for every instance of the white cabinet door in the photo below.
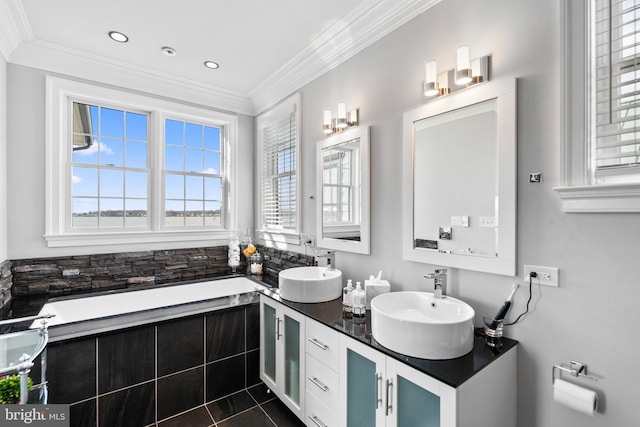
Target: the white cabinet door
pixel 362 385
pixel 282 350
pixel 418 400
pixel 381 391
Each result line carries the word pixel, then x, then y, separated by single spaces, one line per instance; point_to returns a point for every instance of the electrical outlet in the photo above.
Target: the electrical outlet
pixel 547 276
pixel 306 240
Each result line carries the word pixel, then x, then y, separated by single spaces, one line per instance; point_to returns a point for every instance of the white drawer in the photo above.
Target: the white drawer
pixel 323 343
pixel 322 382
pixel 318 414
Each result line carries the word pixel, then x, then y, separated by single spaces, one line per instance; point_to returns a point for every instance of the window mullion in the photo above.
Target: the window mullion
pixel 156 181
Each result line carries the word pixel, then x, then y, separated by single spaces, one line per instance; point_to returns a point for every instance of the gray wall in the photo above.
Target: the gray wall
pixel 3 159
pixel 593 316
pixel 26 168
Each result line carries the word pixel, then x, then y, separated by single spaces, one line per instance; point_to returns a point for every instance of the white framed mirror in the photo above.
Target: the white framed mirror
pixel 342 189
pixel 459 180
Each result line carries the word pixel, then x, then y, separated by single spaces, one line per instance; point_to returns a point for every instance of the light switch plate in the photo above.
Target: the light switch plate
pixel 487 221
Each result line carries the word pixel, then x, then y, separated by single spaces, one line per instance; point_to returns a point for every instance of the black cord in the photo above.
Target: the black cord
pixel 531 276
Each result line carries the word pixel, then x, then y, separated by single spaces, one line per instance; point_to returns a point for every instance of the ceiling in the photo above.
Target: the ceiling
pixel 265 48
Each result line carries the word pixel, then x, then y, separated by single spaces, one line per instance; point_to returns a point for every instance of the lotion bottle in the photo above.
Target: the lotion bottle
pixel 347 300
pixel 359 301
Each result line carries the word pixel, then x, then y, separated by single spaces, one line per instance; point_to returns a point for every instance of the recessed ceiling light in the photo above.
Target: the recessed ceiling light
pixel 169 51
pixel 118 36
pixel 212 65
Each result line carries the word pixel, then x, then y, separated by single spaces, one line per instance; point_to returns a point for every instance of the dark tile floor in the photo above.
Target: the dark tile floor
pixel 253 407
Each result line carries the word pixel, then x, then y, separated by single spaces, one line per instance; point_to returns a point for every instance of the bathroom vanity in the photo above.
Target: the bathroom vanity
pixel 331 372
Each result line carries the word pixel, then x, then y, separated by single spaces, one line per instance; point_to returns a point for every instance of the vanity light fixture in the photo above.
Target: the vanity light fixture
pixel 118 36
pixel 466 74
pixel 343 121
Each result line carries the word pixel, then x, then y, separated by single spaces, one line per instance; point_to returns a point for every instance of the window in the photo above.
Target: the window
pixel 278 154
pixel 126 168
pixel 192 179
pixel 109 168
pixel 616 74
pixel 601 106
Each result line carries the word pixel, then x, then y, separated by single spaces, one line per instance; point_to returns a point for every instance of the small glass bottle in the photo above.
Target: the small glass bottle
pixel 255 263
pixel 347 300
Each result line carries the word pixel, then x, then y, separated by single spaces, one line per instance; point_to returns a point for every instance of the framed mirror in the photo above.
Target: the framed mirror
pixel 459 180
pixel 342 189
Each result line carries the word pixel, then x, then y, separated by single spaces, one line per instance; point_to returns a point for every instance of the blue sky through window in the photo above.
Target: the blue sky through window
pixel 110 176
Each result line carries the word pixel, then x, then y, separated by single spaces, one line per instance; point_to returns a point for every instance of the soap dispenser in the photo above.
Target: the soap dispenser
pixel 359 301
pixel 347 300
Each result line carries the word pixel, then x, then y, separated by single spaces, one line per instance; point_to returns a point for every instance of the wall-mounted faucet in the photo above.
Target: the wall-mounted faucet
pixel 439 277
pixel 331 259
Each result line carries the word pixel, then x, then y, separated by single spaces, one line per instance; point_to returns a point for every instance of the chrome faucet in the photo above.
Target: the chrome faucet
pixel 439 277
pixel 331 259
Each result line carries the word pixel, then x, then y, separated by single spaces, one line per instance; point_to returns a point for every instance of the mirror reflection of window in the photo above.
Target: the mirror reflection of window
pixel 338 189
pixel 341 191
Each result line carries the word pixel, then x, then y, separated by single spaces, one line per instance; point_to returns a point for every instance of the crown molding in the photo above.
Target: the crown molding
pixel 14 27
pixel 70 62
pixel 365 24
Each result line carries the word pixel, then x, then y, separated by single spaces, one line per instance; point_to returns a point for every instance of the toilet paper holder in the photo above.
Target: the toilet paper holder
pixel 576 369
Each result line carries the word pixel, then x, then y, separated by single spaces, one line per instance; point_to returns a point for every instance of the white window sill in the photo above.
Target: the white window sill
pixel 609 198
pixel 218 237
pixel 278 239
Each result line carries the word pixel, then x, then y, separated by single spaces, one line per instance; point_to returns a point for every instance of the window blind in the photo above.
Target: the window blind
pixel 279 174
pixel 616 47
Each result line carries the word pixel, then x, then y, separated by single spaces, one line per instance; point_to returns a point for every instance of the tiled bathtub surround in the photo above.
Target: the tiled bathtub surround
pixel 141 376
pixel 100 272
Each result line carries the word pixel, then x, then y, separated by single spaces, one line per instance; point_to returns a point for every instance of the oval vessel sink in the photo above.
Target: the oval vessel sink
pixel 310 284
pixel 418 325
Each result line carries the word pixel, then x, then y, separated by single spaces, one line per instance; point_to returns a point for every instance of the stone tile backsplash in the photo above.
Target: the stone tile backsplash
pixel 101 272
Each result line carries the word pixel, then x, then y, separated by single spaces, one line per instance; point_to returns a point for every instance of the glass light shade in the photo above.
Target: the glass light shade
pixel 352 120
pixel 430 84
pixel 326 123
pixel 462 61
pixel 342 115
pixel 463 66
pixel 443 84
pixel 327 117
pixel 430 72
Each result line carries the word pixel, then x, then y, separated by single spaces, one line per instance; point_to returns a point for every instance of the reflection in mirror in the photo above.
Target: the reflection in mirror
pixel 469 198
pixel 343 191
pixel 459 182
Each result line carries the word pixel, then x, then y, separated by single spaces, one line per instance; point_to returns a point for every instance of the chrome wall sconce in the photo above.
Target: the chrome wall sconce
pixel 343 121
pixel 466 74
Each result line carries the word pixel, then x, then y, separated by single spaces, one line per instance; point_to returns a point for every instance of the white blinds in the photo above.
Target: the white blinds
pixel 617 87
pixel 279 174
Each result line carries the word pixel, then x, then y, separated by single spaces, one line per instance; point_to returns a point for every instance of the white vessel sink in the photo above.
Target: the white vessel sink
pixel 418 325
pixel 310 284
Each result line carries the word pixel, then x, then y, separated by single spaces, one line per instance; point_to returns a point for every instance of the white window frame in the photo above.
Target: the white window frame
pixel 274 236
pixel 59 93
pixel 579 192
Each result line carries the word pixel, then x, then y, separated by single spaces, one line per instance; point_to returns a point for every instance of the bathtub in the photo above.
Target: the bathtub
pixel 91 314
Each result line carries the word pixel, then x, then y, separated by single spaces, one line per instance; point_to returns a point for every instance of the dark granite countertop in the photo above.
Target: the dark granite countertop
pixel 453 372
